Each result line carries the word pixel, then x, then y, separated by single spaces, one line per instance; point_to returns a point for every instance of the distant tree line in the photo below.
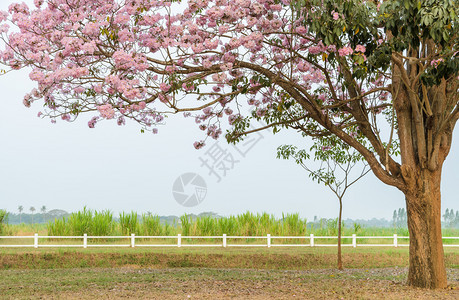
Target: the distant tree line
pixel 450 218
pixel 43 216
pixel 400 218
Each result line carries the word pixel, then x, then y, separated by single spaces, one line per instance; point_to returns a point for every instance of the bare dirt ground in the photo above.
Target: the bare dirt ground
pixel 204 283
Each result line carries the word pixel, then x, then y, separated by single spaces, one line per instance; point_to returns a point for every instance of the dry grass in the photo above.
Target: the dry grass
pixel 194 283
pixel 196 273
pixel 287 258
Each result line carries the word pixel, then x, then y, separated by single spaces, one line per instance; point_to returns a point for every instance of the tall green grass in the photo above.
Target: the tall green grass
pixel 151 225
pixel 81 222
pixel 129 223
pixel 247 224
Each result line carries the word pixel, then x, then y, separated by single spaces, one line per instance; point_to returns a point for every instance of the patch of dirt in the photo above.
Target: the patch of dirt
pixel 196 283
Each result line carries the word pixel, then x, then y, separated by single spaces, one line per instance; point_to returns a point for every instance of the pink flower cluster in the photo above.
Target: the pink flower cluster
pixel 345 51
pixel 436 62
pixel 360 48
pixel 106 111
pixel 198 145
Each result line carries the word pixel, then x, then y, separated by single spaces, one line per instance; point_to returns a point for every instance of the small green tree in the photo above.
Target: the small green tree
pixel 337 162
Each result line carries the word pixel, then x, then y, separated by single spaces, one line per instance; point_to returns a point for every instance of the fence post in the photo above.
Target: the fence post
pixel 85 241
pixel 395 240
pixel 354 240
pixel 35 240
pixel 179 240
pixel 224 240
pixel 268 237
pixel 132 240
pixel 311 239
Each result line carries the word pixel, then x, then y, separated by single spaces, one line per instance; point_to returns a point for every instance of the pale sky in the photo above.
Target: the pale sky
pixel 68 166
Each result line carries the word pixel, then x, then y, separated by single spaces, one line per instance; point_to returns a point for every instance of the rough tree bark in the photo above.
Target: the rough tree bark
pixel 427 265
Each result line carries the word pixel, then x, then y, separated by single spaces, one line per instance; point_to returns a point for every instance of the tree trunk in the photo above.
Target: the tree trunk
pixel 427 264
pixel 340 260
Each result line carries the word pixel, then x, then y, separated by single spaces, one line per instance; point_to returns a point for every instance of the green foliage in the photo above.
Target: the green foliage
pixel 335 156
pixel 3 220
pixel 357 227
pixel 413 20
pixel 409 23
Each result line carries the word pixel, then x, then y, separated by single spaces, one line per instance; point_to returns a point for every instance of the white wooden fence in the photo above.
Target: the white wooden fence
pixel 269 241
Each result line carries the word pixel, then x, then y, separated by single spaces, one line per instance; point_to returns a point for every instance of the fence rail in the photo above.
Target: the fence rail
pixel 269 241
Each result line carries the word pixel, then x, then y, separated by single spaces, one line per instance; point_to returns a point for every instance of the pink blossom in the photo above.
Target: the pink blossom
pixel 98 88
pixel 92 122
pixel 232 119
pixel 335 15
pixel 261 112
pixel 164 87
pixel 223 29
pixel 228 111
pixel 27 100
pixel 199 145
pixel 207 110
pixel 89 48
pixel 106 111
pixel 301 30
pixel 38 3
pixel 121 121
pixel 360 48
pixel 345 51
pixel 79 90
pixel 436 62
pixel 276 7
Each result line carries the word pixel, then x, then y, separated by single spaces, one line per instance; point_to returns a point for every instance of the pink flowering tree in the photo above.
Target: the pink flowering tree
pixel 379 76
